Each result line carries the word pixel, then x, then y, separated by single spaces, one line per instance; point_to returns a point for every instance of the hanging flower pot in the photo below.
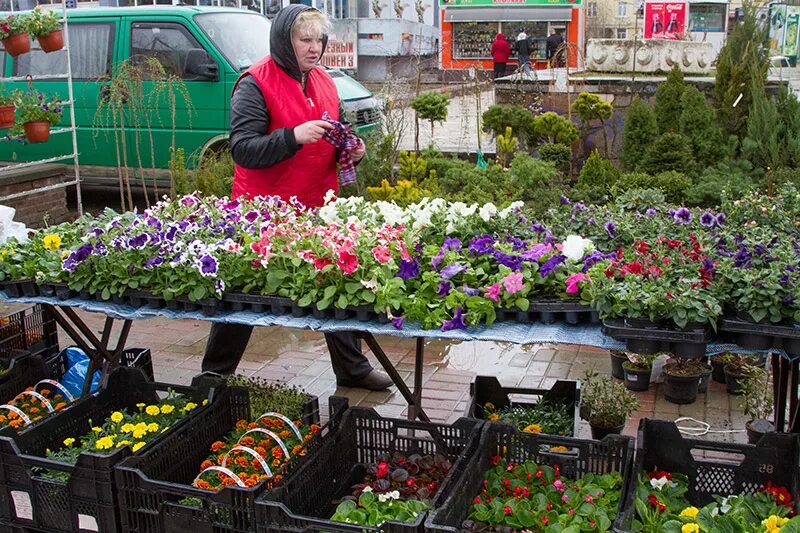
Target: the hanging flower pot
pixel 7 116
pixel 17 44
pixel 51 42
pixel 37 132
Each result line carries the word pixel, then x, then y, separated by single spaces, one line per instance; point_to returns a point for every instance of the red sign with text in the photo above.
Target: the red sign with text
pixel 664 20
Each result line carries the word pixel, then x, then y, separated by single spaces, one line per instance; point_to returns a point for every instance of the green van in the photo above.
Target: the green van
pixel 206 48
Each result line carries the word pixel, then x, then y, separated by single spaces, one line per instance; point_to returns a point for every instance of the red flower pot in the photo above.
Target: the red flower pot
pixel 7 116
pixel 17 44
pixel 37 132
pixel 51 42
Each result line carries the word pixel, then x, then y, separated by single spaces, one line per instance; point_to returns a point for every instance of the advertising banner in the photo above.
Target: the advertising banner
pixel 478 3
pixel 665 20
pixel 790 34
pixel 342 49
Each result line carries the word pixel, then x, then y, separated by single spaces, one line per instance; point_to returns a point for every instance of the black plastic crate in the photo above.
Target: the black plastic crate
pixel 33 329
pixel 140 358
pixel 646 340
pixel 153 484
pixel 88 501
pixel 487 389
pixel 720 468
pixel 612 454
pixel 24 370
pixel 304 502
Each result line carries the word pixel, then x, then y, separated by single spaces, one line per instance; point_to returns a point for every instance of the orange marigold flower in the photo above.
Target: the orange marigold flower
pixel 277 452
pixel 16 423
pixel 250 482
pixel 314 428
pixel 3 418
pixel 285 434
pixel 248 441
pixel 44 392
pixel 278 478
pixel 241 461
pixel 205 464
pixel 220 458
pixel 60 405
pixel 203 484
pixel 298 423
pixel 242 475
pixel 276 462
pixel 308 437
pixel 252 425
pixel 260 450
pixel 35 410
pixel 296 449
pixel 241 424
pixel 12 415
pixel 217 446
pixel 228 482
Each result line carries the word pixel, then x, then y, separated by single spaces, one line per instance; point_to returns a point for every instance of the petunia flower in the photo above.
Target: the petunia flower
pixel 493 292
pixel 513 282
pixel 708 219
pixel 682 216
pixel 573 280
pixel 452 270
pixel 444 288
pixel 457 322
pixel 408 269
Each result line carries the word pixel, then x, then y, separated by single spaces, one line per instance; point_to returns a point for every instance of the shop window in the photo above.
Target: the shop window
pixel 622 9
pixel 622 33
pixel 707 17
pixel 537 32
pixel 591 9
pixel 473 40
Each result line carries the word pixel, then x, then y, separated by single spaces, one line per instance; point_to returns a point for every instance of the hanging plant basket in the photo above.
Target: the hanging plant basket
pixel 17 44
pixel 37 132
pixel 51 42
pixel 7 116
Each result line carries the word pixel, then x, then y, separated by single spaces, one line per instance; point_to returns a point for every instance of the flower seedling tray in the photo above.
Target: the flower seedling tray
pixel 755 336
pixel 33 330
pixel 713 468
pixel 689 343
pixel 139 299
pixel 88 501
pixel 550 312
pixel 487 389
pixel 613 454
pixel 24 370
pixel 304 503
pixel 154 485
pixel 17 288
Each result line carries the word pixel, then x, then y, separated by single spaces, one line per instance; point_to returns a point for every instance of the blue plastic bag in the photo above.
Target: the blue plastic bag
pixel 77 366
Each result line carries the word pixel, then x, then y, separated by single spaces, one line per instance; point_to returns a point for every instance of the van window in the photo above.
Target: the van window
pixel 90 47
pixel 167 42
pixel 232 33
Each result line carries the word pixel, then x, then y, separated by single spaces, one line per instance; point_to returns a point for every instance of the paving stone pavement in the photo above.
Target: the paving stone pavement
pixel 299 357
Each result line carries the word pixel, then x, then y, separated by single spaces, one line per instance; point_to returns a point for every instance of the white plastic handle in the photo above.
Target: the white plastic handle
pixel 251 452
pixel 13 409
pixel 57 385
pixel 285 419
pixel 37 396
pixel 224 471
pixel 271 435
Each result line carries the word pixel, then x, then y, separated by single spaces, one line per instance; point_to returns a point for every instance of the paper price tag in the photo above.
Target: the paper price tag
pixel 87 523
pixel 22 504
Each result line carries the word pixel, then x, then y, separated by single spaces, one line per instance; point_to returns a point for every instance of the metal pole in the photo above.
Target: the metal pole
pixel 635 37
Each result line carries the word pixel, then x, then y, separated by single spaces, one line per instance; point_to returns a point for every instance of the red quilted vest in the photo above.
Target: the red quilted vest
pixel 311 172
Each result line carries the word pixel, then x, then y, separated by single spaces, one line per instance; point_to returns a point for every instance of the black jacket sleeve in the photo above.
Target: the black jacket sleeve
pixel 251 146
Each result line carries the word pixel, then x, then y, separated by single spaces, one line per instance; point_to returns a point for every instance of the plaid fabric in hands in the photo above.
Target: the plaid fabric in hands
pixel 345 141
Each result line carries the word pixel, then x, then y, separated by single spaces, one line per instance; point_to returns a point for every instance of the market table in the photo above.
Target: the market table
pixel 784 368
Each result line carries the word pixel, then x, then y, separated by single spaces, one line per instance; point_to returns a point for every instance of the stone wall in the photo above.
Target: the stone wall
pixel 32 209
pixel 652 55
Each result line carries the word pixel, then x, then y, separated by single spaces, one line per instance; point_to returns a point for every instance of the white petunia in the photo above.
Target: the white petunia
pixel 487 211
pixel 575 246
pixel 329 197
pixel 367 489
pixel 659 483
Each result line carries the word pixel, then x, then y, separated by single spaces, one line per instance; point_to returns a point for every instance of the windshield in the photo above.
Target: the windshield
pixel 232 33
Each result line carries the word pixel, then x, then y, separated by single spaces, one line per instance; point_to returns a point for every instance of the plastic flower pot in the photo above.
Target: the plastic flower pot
pixel 617 358
pixel 7 116
pixel 733 380
pixel 704 379
pixel 51 42
pixel 643 323
pixel 636 379
pixel 718 370
pixel 598 432
pixel 680 389
pixel 757 428
pixel 37 132
pixel 17 44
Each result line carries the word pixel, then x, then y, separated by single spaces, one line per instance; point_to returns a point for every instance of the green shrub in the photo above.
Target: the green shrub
pixel 531 175
pixel 376 166
pixel 521 121
pixel 641 200
pixel 431 106
pixel 443 164
pixel 699 125
pixel 640 131
pixel 670 151
pixel 214 175
pixel 558 154
pixel 553 128
pixel 478 185
pixel 671 184
pixel 598 172
pixel 668 101
pixel 735 177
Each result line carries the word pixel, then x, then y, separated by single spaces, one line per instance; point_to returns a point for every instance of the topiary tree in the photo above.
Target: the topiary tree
pixel 430 106
pixel 699 126
pixel 668 101
pixel 597 176
pixel 521 121
pixel 742 59
pixel 640 131
pixel 590 107
pixel 553 128
pixel 670 151
pixel 559 155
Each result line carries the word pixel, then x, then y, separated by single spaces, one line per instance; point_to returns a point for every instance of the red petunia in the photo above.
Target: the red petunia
pixel 347 262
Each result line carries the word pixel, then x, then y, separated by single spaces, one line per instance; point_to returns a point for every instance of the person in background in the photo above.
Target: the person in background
pixel 501 51
pixel 523 48
pixel 554 43
pixel 278 149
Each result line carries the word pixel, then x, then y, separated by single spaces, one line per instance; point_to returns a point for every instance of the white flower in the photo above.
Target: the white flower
pixel 395 495
pixel 371 284
pixel 725 506
pixel 383 497
pixel 511 209
pixel 367 489
pixel 487 211
pixel 328 214
pixel 659 483
pixel 575 247
pixel 329 197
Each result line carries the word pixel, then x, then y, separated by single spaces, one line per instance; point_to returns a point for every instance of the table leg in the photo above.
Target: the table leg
pixel 418 362
pixel 793 400
pixel 395 376
pixel 781 397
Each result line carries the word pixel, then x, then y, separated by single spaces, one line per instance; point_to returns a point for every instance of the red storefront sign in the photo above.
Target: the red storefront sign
pixel 664 20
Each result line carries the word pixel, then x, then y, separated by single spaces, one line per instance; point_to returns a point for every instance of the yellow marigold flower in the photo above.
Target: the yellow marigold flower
pixel 127 428
pixel 559 449
pixel 138 446
pixel 533 428
pixel 690 511
pixel 494 416
pixel 123 443
pixel 205 402
pixel 69 441
pixel 104 443
pixel 489 406
pixel 140 405
pixel 152 427
pixel 116 417
pixel 97 429
pixel 52 242
pixel 190 406
pixel 690 528
pixel 139 433
pixel 774 523
pixel 167 409
pixel 152 410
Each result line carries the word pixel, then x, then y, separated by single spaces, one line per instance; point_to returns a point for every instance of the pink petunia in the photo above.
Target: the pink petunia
pixel 513 282
pixel 382 254
pixel 573 280
pixel 347 262
pixel 493 292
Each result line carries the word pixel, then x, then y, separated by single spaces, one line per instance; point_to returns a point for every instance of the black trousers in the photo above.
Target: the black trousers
pixel 499 70
pixel 227 343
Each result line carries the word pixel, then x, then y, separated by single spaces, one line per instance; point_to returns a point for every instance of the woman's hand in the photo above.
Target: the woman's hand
pixel 311 131
pixel 358 153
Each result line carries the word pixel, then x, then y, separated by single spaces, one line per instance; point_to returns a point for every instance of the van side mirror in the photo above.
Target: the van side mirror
pixel 199 63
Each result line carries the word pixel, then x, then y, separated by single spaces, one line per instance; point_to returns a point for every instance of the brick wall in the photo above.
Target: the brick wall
pixel 32 209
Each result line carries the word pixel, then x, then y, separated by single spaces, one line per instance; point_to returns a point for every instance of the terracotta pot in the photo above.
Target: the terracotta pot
pixel 17 44
pixel 51 42
pixel 7 116
pixel 37 132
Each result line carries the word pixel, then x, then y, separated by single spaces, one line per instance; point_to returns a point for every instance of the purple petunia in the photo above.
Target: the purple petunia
pixel 207 266
pixel 538 228
pixel 708 219
pixel 153 262
pixel 564 200
pixel 397 321
pixel 138 241
pixel 579 207
pixel 536 252
pixel 682 216
pixel 514 262
pixel 481 245
pixel 550 265
pixel 408 269
pixel 469 291
pixel 517 244
pixel 444 288
pixel 721 219
pixel 742 257
pixel 457 322
pixel 251 216
pixel 452 270
pixel 651 212
pixel 611 229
